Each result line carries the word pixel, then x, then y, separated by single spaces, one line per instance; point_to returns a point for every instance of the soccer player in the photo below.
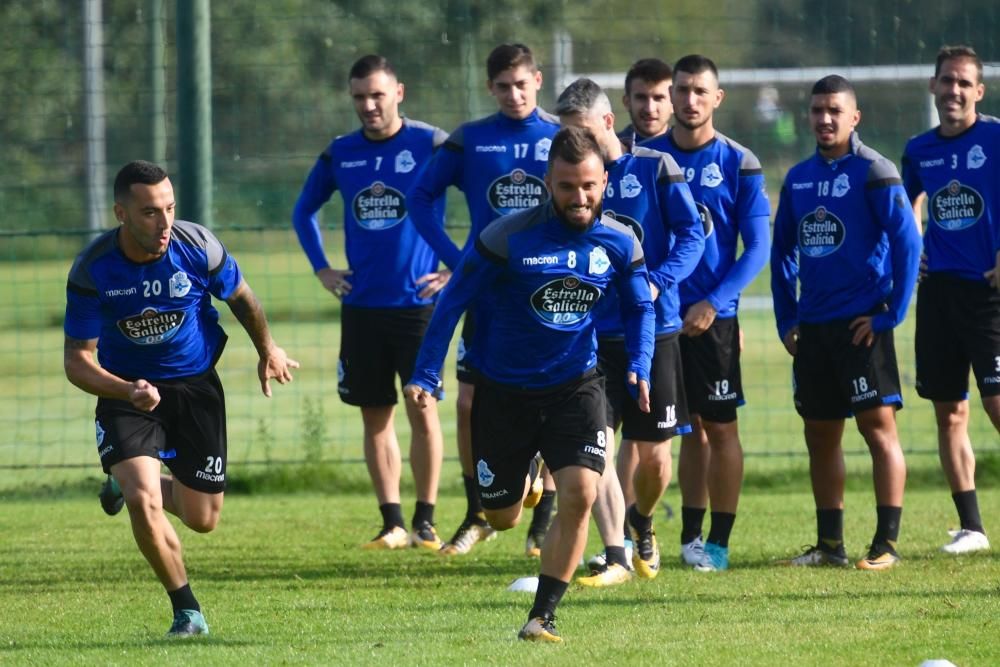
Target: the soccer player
pixel 647 100
pixel 545 269
pixel 387 290
pixel 645 191
pixel 728 184
pixel 498 162
pixel 140 295
pixel 958 305
pixel 845 235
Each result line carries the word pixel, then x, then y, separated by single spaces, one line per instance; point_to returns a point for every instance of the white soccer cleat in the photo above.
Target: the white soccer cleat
pixel 693 552
pixel 966 541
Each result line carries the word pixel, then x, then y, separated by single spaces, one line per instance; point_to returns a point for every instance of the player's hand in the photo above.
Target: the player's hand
pixel 276 365
pixel 417 394
pixel 863 334
pixel 922 271
pixel 791 341
pixel 335 281
pixel 741 339
pixel 433 283
pixel 639 390
pixel 993 275
pixel 144 396
pixel 654 292
pixel 698 319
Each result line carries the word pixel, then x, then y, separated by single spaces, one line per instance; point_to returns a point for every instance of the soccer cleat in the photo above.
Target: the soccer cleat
pixel 393 538
pixel 424 536
pixel 111 497
pixel 609 575
pixel 597 563
pixel 534 495
pixel 714 558
pixel 692 552
pixel 880 557
pixel 816 557
pixel 466 537
pixel 966 541
pixel 188 623
pixel 646 553
pixel 540 629
pixel 533 545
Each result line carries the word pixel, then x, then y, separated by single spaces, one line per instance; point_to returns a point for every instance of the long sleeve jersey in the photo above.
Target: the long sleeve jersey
pixel 384 250
pixel 961 176
pixel 544 279
pixel 845 233
pixel 727 184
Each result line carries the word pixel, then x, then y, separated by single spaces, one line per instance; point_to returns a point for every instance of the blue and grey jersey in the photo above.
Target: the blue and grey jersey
pixel 961 176
pixel 543 279
pixel 498 162
pixel 727 183
pixel 845 235
pixel 647 192
pixel 384 250
pixel 153 320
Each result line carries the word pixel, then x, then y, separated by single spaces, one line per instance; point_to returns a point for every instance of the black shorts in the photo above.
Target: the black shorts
pixel 668 409
pixel 465 371
pixel 713 380
pixel 565 423
pixel 186 431
pixel 958 326
pixel 376 345
pixel 834 379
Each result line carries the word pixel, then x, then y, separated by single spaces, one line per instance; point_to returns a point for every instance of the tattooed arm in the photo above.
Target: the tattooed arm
pixel 83 371
pixel 274 363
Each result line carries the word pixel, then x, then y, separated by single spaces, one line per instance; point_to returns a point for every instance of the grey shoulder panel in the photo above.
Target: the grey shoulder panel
pixel 196 235
pixel 80 279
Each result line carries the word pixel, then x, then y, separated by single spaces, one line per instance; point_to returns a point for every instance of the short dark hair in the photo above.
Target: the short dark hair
pixel 958 51
pixel 137 171
pixel 368 65
pixel 696 64
pixel 650 70
pixel 573 145
pixel 509 56
pixel 833 84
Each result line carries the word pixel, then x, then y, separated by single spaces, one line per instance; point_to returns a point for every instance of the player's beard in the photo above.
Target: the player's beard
pixel 561 213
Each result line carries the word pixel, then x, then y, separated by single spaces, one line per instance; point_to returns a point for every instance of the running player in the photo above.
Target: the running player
pixel 140 295
pixel 545 269
pixel 645 191
pixel 727 182
pixel 958 304
pixel 387 289
pixel 498 162
pixel 845 236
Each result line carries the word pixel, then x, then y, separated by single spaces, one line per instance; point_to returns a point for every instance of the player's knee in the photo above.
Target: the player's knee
pixel 576 497
pixel 143 503
pixel 463 405
pixel 503 519
pixel 201 521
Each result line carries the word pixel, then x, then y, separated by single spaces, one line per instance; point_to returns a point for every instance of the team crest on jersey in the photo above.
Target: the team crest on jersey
pixel 484 474
pixel 405 162
pixel 179 285
pixel 711 175
pixel 841 185
pixel 629 186
pixel 379 207
pixel 630 222
pixel 152 326
pixel 707 221
pixel 599 262
pixel 820 233
pixel 956 206
pixel 516 191
pixel 542 149
pixel 565 300
pixel 975 158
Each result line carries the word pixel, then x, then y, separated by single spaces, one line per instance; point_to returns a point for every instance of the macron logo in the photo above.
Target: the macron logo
pixel 536 261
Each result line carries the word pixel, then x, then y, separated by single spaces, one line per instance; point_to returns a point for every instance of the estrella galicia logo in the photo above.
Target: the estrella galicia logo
pixel 629 222
pixel 484 473
pixel 151 326
pixel 379 207
pixel 516 191
pixel 707 221
pixel 565 300
pixel 955 207
pixel 820 233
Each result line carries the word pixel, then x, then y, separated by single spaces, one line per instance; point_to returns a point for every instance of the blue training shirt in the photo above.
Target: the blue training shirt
pixel 727 183
pixel 384 250
pixel 845 233
pixel 544 279
pixel 154 320
pixel 647 192
pixel 961 177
